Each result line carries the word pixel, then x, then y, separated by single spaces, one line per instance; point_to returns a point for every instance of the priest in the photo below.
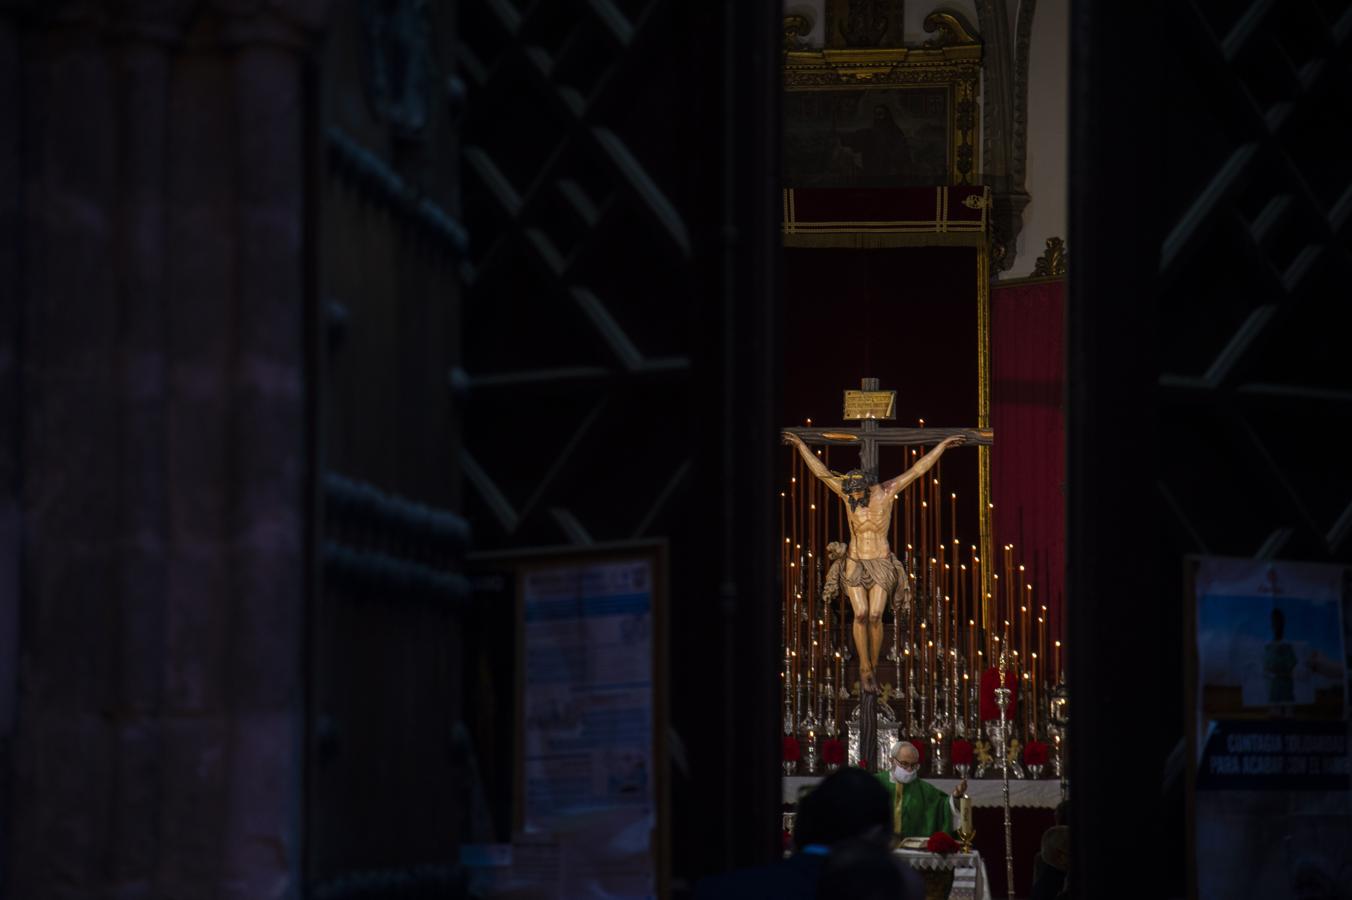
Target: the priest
pixel 919 809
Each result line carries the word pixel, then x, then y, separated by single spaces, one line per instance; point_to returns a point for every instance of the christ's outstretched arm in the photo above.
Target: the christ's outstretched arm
pixel 922 465
pixel 814 465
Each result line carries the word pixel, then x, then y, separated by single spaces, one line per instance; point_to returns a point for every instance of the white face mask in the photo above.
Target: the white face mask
pixel 904 776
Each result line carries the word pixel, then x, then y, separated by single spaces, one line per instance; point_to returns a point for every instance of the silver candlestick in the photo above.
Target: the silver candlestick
pixel 799 704
pixel 938 747
pixel 998 733
pixel 810 754
pixel 828 697
pixel 809 722
pixel 1002 694
pixel 1058 721
pixel 895 653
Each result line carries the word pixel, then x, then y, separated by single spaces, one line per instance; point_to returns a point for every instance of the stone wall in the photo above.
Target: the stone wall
pixel 152 445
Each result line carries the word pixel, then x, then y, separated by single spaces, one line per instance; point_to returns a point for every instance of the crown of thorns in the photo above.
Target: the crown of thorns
pixel 858 480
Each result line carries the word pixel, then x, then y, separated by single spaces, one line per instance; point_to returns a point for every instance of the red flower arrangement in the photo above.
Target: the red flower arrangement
pixel 833 751
pixel 940 842
pixel 962 752
pixel 791 751
pixel 919 746
pixel 1035 753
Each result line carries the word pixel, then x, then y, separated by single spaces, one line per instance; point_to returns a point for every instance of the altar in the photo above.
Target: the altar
pixel 1033 804
pixel 986 793
pixel 969 871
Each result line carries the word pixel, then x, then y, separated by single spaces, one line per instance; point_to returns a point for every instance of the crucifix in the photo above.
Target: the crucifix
pixel 872 573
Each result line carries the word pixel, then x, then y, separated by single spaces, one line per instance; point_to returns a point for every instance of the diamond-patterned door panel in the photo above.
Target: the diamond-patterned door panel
pixel 569 164
pixel 1257 388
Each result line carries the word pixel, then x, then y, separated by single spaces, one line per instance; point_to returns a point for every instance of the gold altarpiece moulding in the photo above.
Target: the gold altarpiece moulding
pixel 853 97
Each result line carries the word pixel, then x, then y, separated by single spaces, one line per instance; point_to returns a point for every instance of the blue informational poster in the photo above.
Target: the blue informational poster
pixel 588 799
pixel 1270 767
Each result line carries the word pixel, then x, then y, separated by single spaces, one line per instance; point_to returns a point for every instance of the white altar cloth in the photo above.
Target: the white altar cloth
pixel 969 871
pixel 1044 792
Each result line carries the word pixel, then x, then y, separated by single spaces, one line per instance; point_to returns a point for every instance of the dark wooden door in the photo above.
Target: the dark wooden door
pixel 388 772
pixel 1211 209
pixel 620 182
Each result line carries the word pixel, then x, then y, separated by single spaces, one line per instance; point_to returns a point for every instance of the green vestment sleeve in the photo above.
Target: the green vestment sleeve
pixel 924 808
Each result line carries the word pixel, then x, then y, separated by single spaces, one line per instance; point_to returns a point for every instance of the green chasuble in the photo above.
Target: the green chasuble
pixel 924 808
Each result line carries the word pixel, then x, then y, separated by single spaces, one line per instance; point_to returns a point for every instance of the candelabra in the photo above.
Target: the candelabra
pixel 895 654
pixel 1002 695
pixel 809 722
pixel 998 731
pixel 828 700
pixel 960 709
pixel 799 705
pixel 910 695
pixel 938 748
pixel 954 708
pixel 1058 718
pixel 974 705
pixel 922 688
pixel 810 753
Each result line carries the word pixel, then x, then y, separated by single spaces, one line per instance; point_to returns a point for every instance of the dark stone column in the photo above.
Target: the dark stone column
pixel 62 772
pixel 10 320
pixel 266 527
pixel 201 279
pixel 154 238
pixel 140 59
pixel 10 121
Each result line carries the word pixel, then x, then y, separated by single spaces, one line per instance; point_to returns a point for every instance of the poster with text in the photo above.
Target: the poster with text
pixel 589 761
pixel 1272 796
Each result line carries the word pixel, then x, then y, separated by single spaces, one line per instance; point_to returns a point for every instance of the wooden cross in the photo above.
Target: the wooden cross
pixel 869 405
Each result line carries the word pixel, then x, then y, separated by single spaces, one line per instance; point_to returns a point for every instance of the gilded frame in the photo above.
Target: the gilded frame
pixel 952 61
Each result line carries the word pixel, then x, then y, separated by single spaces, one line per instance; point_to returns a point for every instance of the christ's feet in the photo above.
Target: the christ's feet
pixel 868 683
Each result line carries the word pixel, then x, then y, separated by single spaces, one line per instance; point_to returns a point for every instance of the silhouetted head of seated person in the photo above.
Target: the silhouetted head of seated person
pixel 849 803
pixel 1052 862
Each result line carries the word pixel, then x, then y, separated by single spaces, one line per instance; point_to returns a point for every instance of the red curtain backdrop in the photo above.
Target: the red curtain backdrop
pixel 906 315
pixel 1028 464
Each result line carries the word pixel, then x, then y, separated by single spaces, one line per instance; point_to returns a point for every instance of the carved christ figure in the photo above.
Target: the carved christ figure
pixel 872 571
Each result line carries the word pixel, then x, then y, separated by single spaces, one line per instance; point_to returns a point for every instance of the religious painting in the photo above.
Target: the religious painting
pixel 884 137
pixel 886 117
